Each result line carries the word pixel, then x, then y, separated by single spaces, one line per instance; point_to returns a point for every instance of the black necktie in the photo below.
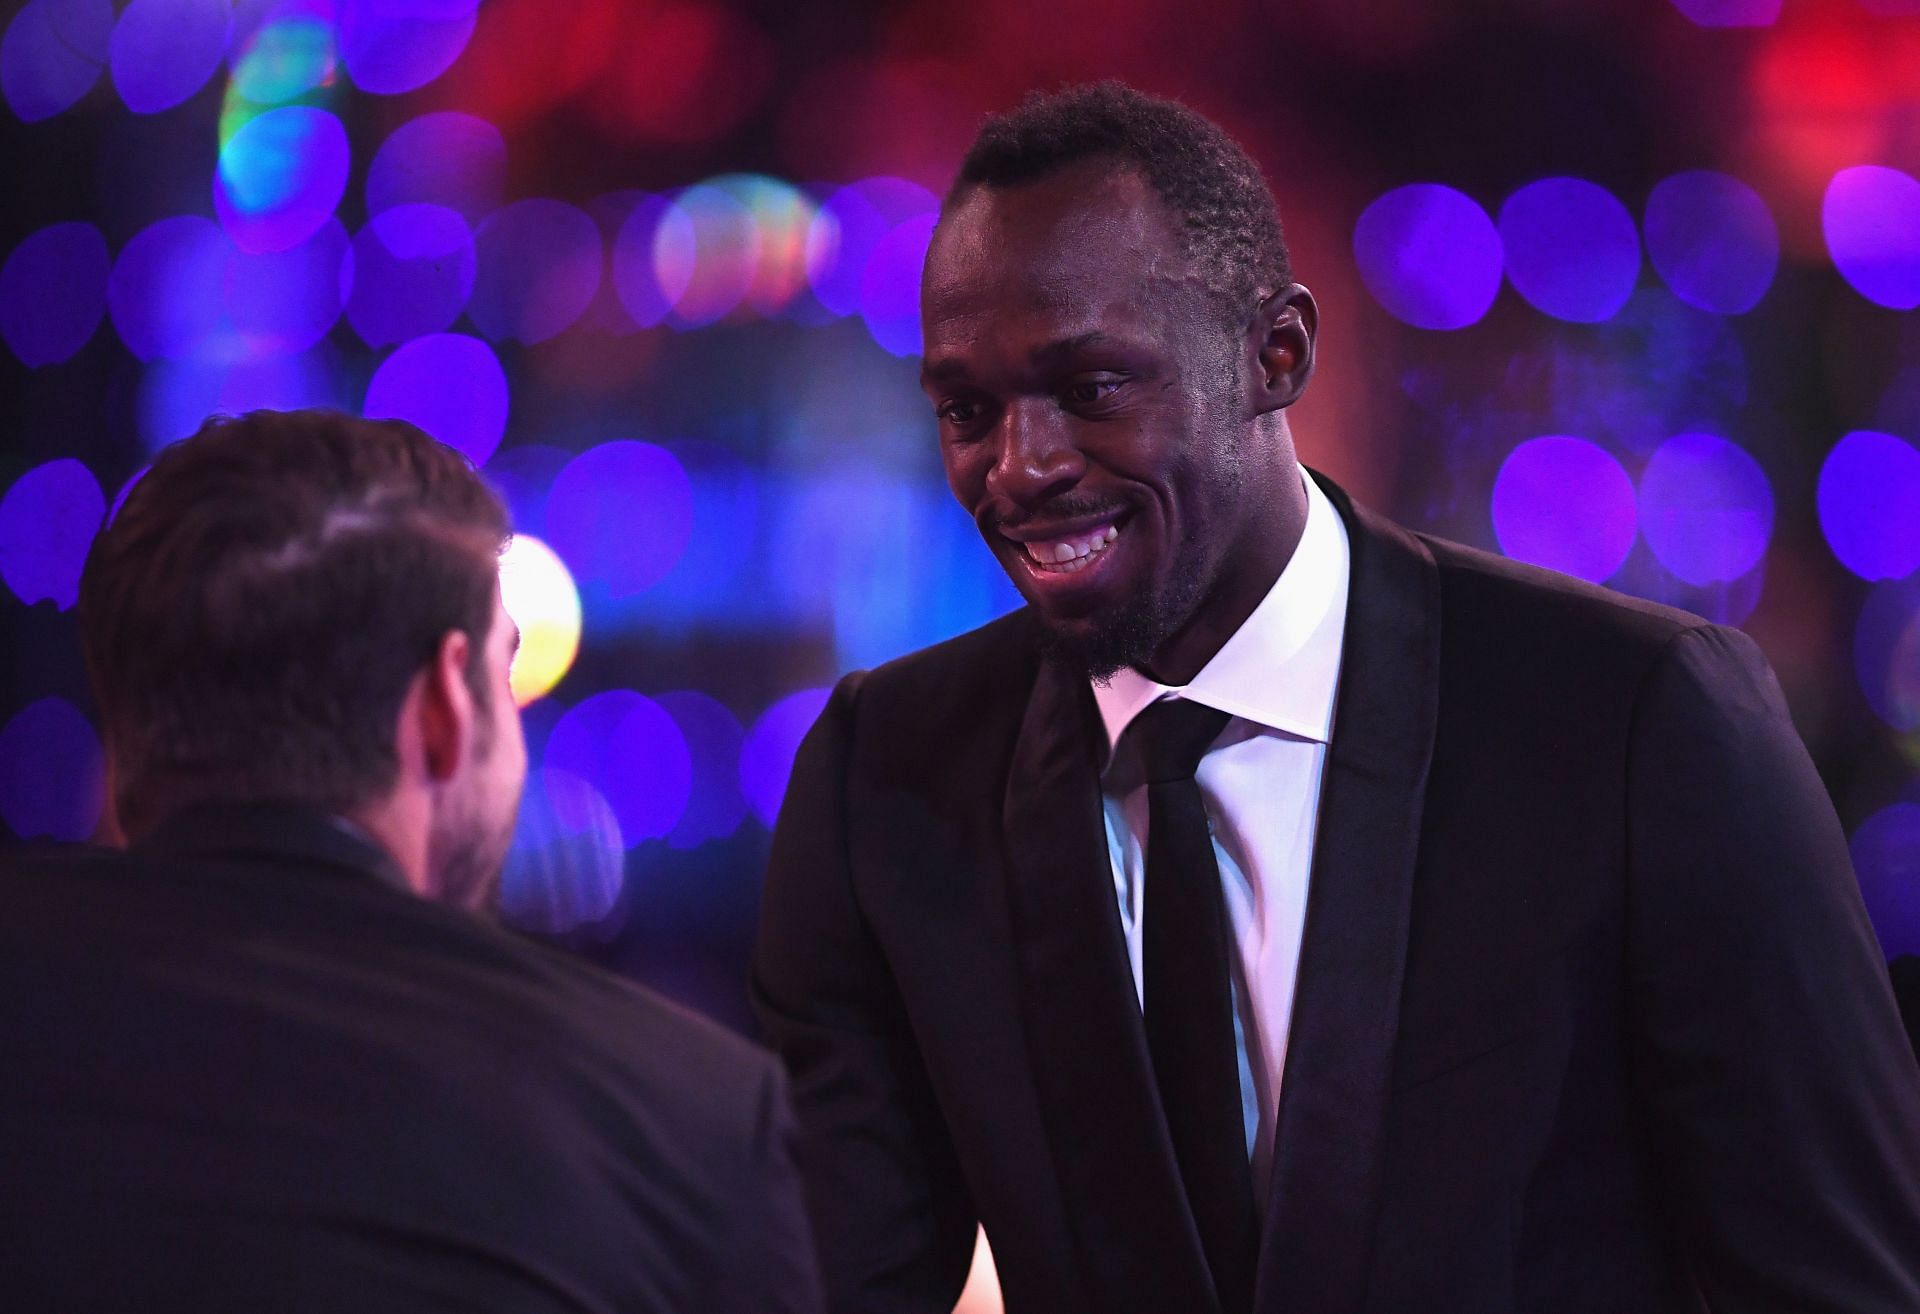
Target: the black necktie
pixel 1188 993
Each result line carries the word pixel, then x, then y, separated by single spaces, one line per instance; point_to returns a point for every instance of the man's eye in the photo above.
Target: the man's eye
pixel 1089 392
pixel 958 412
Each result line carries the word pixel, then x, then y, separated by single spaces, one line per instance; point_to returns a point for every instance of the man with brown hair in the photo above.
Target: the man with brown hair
pixel 273 1056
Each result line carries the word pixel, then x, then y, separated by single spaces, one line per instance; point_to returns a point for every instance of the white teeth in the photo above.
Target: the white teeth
pixel 1071 554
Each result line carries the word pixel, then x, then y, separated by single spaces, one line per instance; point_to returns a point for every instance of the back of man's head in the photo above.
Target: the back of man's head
pixel 254 614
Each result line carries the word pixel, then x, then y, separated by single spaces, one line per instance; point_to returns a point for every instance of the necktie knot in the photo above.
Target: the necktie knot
pixel 1170 737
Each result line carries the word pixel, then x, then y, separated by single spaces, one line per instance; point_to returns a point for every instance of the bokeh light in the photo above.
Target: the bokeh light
pixel 1730 13
pixel 715 805
pixel 649 288
pixel 163 51
pixel 631 750
pixel 280 177
pixel 390 46
pixel 539 266
pixel 53 290
pixel 1713 240
pixel 288 55
pixel 1571 248
pixel 283 302
pixel 568 860
pixel 1871 216
pixel 446 158
pixel 47 522
pixel 782 217
pixel 413 270
pixel 712 256
pixel 52 54
pixel 176 396
pixel 847 228
pixel 448 384
pixel 1429 255
pixel 164 292
pixel 1886 652
pixel 1886 858
pixel 540 595
pixel 523 475
pixel 1566 504
pixel 1706 508
pixel 890 286
pixel 766 757
pixel 50 772
pixel 1869 503
pixel 715 582
pixel 620 515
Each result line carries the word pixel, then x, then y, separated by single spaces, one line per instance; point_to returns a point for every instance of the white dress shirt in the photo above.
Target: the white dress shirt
pixel 1277 676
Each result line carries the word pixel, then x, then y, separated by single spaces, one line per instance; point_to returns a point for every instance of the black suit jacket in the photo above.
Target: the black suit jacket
pixel 242 1069
pixel 1589 1015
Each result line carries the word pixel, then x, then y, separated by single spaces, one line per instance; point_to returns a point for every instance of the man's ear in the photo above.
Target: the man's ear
pixel 1282 334
pixel 444 712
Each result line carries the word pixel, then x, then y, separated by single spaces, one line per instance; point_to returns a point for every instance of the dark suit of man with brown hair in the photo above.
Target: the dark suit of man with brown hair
pixel 273 1056
pixel 1285 911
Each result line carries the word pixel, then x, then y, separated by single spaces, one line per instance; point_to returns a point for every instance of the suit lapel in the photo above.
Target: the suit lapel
pixel 1137 1242
pixel 1327 1153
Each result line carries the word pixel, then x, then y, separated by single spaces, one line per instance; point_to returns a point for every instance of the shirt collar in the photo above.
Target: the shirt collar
pixel 1281 667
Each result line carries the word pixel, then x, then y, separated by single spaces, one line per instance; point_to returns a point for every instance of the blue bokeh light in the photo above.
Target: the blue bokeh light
pixel 289 54
pixel 1886 652
pixel 712 583
pixel 1706 508
pixel 1871 216
pixel 50 772
pixel 890 286
pixel 1869 502
pixel 851 224
pixel 446 158
pixel 1886 858
pixel 163 51
pixel 1713 240
pixel 448 384
pixel 52 55
pixel 280 177
pixel 1571 249
pixel 165 290
pixel 632 751
pixel 390 46
pixel 523 475
pixel 283 302
pixel 47 522
pixel 766 756
pixel 568 860
pixel 413 272
pixel 539 266
pixel 1566 504
pixel 1730 13
pixel 53 291
pixel 652 222
pixel 1429 255
pixel 620 516
pixel 177 396
pixel 715 805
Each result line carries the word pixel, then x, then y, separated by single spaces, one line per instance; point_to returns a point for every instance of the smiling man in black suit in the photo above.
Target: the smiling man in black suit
pixel 1285 911
pixel 273 1056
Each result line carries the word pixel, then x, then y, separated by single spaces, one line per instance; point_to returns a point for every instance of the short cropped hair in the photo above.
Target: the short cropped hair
pixel 1228 222
pixel 254 613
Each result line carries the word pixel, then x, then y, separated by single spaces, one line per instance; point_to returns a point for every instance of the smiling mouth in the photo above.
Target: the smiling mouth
pixel 1064 556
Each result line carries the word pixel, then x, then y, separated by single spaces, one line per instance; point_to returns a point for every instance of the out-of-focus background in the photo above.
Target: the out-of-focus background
pixel 1626 289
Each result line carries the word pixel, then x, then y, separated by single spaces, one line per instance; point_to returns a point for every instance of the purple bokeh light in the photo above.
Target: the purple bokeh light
pixel 391 46
pixel 523 475
pixel 280 177
pixel 1566 504
pixel 649 289
pixel 177 396
pixel 1730 13
pixel 47 522
pixel 283 302
pixel 568 861
pixel 1713 240
pixel 631 750
pixel 164 292
pixel 1886 652
pixel 620 516
pixel 766 756
pixel 851 224
pixel 890 286
pixel 539 266
pixel 52 54
pixel 1871 216
pixel 50 772
pixel 1429 255
pixel 1869 502
pixel 53 291
pixel 1706 508
pixel 446 158
pixel 413 272
pixel 715 806
pixel 1886 858
pixel 163 51
pixel 448 384
pixel 1571 249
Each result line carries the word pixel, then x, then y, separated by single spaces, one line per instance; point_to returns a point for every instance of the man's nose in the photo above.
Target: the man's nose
pixel 1037 456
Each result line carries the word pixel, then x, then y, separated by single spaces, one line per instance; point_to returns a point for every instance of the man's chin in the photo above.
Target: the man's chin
pixel 1099 647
